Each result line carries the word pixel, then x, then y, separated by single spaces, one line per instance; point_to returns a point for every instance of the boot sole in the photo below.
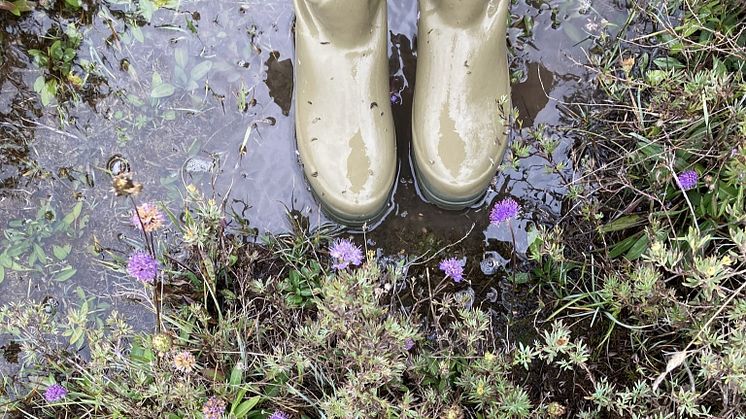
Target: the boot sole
pixel 434 199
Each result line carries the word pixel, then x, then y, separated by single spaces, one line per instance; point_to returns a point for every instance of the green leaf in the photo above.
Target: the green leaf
pixel 40 57
pixel 77 336
pixel 162 90
pixel 146 9
pixel 2 274
pixel 49 92
pixel 73 215
pixel 61 252
pixel 136 101
pixel 169 115
pixel 180 76
pixel 200 70
pixel 68 55
pixel 140 354
pixel 245 407
pixel 75 4
pixel 623 246
pixel 65 274
pixel 40 254
pixel 190 25
pixel 18 267
pixel 637 249
pixel 156 78
pixel 17 249
pixel 236 376
pixel 181 57
pixel 622 223
pixel 137 33
pixel 56 51
pixel 39 84
pixel 5 260
pixel 667 63
pixel 11 7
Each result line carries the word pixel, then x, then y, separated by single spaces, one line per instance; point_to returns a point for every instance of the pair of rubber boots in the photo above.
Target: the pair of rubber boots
pixel 344 126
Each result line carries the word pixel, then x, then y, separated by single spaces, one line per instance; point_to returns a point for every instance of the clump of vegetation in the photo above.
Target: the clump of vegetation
pixel 664 159
pixel 642 285
pixel 234 336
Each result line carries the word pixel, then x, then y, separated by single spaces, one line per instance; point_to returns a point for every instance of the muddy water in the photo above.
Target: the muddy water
pixel 229 125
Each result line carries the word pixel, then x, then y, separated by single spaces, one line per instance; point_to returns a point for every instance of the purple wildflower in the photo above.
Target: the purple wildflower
pixel 142 266
pixel 688 179
pixel 213 408
pixel 504 211
pixel 408 344
pixel 345 253
pixel 55 393
pixel 279 414
pixel 453 268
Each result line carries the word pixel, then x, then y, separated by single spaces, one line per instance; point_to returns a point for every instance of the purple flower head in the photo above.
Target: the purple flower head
pixel 279 414
pixel 142 266
pixel 504 211
pixel 688 179
pixel 213 408
pixel 453 268
pixel 345 253
pixel 408 344
pixel 55 393
pixel 395 99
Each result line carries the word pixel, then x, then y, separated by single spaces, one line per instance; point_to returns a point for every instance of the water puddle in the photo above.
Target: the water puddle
pixel 207 88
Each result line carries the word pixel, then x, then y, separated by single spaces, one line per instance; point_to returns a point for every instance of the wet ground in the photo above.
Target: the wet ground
pixel 200 92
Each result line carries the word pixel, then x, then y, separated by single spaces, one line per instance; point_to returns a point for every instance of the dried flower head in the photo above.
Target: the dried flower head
pixel 454 412
pixel 162 342
pixel 345 253
pixel 214 408
pixel 504 211
pixel 556 410
pixel 151 217
pixel 124 185
pixel 55 393
pixel 687 179
pixel 453 268
pixel 142 266
pixel 184 361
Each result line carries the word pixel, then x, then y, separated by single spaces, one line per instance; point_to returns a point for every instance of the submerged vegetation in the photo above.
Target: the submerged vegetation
pixel 639 287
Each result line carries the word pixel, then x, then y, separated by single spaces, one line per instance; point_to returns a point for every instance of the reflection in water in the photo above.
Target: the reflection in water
pixel 211 83
pixel 280 81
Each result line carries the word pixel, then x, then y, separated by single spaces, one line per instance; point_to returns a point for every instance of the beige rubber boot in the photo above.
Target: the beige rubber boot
pixel 344 127
pixel 461 99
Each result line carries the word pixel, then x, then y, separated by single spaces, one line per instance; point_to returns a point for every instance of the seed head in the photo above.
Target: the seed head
pixel 184 361
pixel 151 217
